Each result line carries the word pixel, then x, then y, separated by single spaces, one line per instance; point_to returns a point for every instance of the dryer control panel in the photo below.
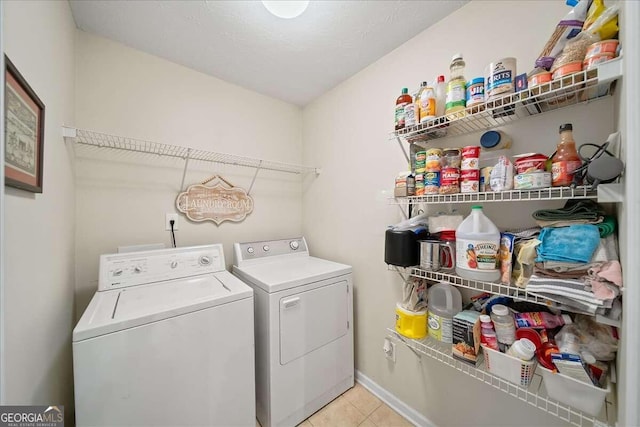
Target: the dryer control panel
pixel 141 268
pixel 269 248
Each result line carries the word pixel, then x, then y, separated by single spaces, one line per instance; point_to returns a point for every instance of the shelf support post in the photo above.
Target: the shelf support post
pixel 397 337
pixel 404 214
pixel 254 177
pixel 184 172
pixel 397 270
pixel 404 150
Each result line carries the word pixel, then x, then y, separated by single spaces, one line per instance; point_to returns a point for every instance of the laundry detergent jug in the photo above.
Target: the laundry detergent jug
pixel 445 301
pixel 477 245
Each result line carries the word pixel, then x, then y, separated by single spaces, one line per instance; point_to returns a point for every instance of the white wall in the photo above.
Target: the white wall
pixel 122 198
pixel 39 229
pixel 345 215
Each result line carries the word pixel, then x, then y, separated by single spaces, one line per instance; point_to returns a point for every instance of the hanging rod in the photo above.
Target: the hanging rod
pixel 114 142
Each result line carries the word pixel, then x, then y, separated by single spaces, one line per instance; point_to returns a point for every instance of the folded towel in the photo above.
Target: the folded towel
pixel 569 304
pixel 609 271
pixel 576 293
pixel 601 289
pixel 607 250
pixel 568 222
pixel 525 254
pixel 576 272
pixel 605 280
pixel 578 268
pixel 582 299
pixel 607 226
pixel 525 233
pixel 576 243
pixel 572 210
pixel 575 290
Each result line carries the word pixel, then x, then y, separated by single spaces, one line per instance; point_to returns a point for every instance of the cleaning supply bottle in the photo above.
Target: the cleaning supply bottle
pixel 441 96
pixel 403 100
pixel 566 160
pixel 445 301
pixel 456 89
pixel 427 102
pixel 477 244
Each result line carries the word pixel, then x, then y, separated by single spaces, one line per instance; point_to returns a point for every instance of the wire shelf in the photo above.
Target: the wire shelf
pixel 583 87
pixel 541 194
pixel 535 395
pixel 490 287
pixel 514 292
pixel 113 142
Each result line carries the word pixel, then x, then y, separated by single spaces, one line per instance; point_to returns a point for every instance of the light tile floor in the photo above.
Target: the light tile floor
pixel 355 407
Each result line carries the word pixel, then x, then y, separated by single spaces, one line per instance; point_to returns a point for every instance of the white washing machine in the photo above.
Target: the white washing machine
pixel 303 327
pixel 167 340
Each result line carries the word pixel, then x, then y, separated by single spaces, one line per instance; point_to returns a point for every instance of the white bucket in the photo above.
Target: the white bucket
pixel 500 76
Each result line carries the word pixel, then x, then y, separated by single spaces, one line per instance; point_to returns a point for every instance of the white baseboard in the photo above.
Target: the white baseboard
pixel 398 405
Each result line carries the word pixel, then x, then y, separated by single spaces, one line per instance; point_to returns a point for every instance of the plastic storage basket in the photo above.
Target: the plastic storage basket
pixel 509 368
pixel 585 397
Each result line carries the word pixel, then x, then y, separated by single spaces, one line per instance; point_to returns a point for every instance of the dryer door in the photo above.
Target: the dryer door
pixel 311 319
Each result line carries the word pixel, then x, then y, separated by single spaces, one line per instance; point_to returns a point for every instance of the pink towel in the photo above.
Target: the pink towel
pixel 610 271
pixel 605 280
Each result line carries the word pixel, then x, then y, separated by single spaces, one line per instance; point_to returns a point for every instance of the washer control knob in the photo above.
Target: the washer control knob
pixel 294 245
pixel 250 250
pixel 117 272
pixel 174 264
pixel 205 260
pixel 266 248
pixel 137 269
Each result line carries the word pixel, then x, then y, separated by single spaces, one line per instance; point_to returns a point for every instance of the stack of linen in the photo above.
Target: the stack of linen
pixel 577 264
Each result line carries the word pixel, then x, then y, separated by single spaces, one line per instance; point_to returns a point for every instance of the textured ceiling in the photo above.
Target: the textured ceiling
pixel 294 60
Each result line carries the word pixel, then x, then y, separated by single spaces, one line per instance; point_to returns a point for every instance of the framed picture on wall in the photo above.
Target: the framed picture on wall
pixel 24 132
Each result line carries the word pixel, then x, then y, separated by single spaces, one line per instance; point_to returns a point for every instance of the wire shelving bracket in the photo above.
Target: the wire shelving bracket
pixel 535 395
pixel 105 141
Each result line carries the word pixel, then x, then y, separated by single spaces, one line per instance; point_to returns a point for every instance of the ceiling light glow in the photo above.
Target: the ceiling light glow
pixel 286 9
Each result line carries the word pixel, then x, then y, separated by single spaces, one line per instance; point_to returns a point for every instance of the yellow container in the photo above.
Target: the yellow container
pixel 411 324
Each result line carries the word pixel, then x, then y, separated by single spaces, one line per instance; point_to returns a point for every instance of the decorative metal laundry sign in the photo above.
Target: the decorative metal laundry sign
pixel 219 202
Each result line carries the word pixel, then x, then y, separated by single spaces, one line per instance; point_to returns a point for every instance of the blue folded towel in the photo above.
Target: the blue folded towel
pixel 575 243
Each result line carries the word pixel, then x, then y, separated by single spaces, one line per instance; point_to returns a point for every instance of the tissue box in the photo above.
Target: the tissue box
pixel 466 336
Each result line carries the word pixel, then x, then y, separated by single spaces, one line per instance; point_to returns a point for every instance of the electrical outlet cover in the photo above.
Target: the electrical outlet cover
pixel 389 349
pixel 167 224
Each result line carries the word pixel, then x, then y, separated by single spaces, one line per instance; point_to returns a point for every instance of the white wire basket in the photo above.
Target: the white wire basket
pixel 585 397
pixel 509 368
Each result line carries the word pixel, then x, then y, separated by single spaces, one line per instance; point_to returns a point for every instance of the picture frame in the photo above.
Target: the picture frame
pixel 24 132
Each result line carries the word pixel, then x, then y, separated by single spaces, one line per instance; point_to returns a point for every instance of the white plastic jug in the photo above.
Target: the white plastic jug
pixel 477 245
pixel 445 301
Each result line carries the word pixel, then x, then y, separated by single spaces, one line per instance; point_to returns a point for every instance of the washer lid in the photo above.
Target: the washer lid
pixel 119 309
pixel 289 272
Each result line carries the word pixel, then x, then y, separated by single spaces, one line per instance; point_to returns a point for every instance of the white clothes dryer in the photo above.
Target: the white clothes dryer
pixel 303 328
pixel 167 340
